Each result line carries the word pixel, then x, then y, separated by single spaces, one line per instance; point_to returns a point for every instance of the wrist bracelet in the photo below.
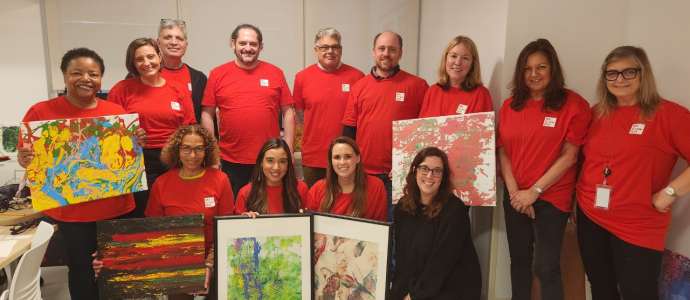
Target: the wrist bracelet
pixel 538 189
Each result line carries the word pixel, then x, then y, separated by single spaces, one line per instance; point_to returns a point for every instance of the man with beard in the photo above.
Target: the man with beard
pixel 320 94
pixel 387 94
pixel 249 94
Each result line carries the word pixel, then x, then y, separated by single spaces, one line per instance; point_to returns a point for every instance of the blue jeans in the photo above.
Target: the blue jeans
pixel 389 193
pixel 545 232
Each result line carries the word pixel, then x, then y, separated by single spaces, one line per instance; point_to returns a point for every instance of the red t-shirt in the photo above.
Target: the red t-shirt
pixel 438 102
pixel 60 108
pixel 642 165
pixel 249 102
pixel 275 197
pixel 162 110
pixel 544 134
pixel 373 106
pixel 375 208
pixel 323 97
pixel 180 76
pixel 210 195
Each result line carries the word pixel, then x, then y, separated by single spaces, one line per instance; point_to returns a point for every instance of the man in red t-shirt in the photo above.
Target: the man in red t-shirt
pixel 320 94
pixel 249 93
pixel 387 94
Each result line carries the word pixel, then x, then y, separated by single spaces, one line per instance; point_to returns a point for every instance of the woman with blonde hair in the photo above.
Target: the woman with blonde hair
pixel 625 189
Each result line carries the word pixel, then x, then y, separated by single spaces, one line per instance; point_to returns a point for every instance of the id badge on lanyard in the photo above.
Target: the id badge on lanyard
pixel 603 195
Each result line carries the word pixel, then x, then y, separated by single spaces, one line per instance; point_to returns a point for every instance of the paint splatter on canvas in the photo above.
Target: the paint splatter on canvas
pixel 79 160
pixel 10 138
pixel 674 282
pixel 469 141
pixel 151 256
pixel 344 268
pixel 265 267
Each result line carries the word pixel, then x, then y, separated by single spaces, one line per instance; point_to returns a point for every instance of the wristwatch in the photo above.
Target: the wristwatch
pixel 538 189
pixel 670 191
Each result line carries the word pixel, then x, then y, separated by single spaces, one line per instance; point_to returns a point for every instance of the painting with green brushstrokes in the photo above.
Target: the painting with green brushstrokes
pixel 265 267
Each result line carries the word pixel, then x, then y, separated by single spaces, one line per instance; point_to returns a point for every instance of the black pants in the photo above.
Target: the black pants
pixel 239 175
pixel 545 232
pixel 615 267
pixel 154 168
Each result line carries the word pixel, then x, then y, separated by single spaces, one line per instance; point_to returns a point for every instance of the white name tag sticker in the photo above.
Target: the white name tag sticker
pixel 264 82
pixel 346 87
pixel 549 122
pixel 400 97
pixel 462 108
pixel 637 129
pixel 175 105
pixel 603 196
pixel 210 202
pixel 189 85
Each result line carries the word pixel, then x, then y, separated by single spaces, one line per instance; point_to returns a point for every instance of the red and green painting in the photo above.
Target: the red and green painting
pixel 151 256
pixel 674 282
pixel 469 141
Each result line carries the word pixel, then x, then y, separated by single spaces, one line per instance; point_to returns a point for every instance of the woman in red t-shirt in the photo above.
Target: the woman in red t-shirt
pixel 275 188
pixel 459 89
pixel 541 128
pixel 623 193
pixel 163 106
pixel 347 190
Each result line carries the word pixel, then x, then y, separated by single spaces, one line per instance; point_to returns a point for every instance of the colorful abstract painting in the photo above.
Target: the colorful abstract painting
pixel 10 138
pixel 268 268
pixel 469 141
pixel 674 282
pixel 151 256
pixel 344 268
pixel 79 160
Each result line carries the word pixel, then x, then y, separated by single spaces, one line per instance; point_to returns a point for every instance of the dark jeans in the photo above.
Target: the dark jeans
pixel 239 175
pixel 389 193
pixel 545 232
pixel 313 174
pixel 612 264
pixel 79 239
pixel 154 168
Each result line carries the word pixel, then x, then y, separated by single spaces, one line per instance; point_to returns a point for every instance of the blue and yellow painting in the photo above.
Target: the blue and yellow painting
pixel 80 160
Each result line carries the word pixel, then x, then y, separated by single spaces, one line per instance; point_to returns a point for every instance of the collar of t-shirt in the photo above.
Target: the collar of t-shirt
pixel 396 69
pixel 336 68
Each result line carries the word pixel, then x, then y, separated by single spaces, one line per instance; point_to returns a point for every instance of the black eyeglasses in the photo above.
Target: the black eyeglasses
pixel 171 22
pixel 612 75
pixel 187 149
pixel 336 48
pixel 424 170
pixel 20 228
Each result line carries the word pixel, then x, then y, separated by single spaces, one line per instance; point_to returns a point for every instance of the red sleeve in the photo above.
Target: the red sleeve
pixel 117 95
pixel 680 130
pixel 485 104
pixel 315 196
pixel 297 92
pixel 154 208
pixel 380 198
pixel 501 119
pixel 209 98
pixel 425 104
pixel 303 190
pixel 241 203
pixel 352 111
pixel 226 202
pixel 577 130
pixel 186 101
pixel 286 97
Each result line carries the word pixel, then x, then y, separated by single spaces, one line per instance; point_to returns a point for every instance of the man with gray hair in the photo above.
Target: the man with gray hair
pixel 320 92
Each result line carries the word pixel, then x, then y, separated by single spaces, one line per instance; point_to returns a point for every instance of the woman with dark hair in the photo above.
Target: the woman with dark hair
pixel 82 70
pixel 347 190
pixel 624 191
pixel 541 128
pixel 459 89
pixel 275 188
pixel 163 106
pixel 435 256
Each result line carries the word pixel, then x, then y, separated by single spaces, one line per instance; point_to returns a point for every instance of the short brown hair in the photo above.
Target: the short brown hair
pixel 133 46
pixel 170 155
pixel 412 198
pixel 393 32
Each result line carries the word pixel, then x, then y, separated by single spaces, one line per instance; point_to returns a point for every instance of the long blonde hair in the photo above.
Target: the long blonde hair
pixel 474 76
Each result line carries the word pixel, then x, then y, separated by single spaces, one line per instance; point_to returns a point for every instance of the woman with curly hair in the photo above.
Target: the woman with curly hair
pixel 347 190
pixel 435 255
pixel 275 188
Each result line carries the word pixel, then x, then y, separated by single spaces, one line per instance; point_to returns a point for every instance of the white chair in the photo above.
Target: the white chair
pixel 25 283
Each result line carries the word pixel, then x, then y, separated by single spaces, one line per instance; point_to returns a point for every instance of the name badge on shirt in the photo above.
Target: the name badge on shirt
pixel 264 82
pixel 210 202
pixel 603 196
pixel 549 122
pixel 462 108
pixel 189 85
pixel 637 129
pixel 175 105
pixel 346 87
pixel 400 97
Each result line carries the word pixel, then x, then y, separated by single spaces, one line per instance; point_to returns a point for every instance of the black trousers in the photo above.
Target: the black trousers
pixel 239 175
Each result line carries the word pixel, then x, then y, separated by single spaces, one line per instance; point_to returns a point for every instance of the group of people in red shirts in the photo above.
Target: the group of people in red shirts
pixel 546 135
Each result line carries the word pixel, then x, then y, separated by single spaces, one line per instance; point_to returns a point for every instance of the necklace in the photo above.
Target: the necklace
pixel 193 177
pixel 607 170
